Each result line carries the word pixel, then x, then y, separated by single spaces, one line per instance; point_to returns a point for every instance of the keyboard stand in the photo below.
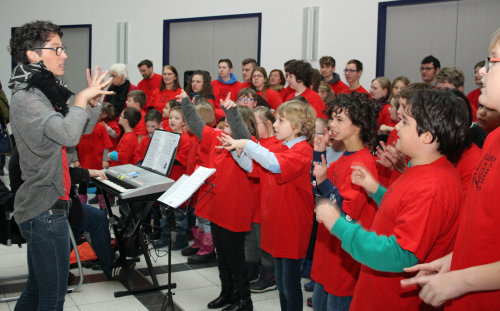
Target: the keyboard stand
pixel 126 240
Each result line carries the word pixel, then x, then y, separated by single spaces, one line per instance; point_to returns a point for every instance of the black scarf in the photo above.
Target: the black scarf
pixel 120 97
pixel 36 75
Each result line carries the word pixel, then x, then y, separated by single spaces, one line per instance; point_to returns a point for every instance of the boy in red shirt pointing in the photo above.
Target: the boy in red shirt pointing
pixel 417 217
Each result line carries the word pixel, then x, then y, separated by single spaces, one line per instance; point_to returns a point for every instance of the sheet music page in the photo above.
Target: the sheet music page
pixel 185 186
pixel 161 151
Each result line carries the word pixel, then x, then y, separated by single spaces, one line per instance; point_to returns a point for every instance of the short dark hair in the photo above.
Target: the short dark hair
pixel 132 115
pixel 247 61
pixel 442 114
pixel 359 65
pixel 30 36
pixel 138 96
pixel 287 63
pixel 146 62
pixel 153 115
pixel 302 71
pixel 361 110
pixel 227 61
pixel 327 61
pixel 431 59
pixel 480 64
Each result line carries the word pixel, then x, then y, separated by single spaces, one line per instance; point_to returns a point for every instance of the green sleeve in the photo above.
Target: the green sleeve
pixel 378 195
pixel 379 252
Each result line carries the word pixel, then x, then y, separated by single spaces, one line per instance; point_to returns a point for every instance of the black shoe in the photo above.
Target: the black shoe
pixel 93 200
pixel 189 251
pixel 201 259
pixel 178 246
pixel 310 302
pixel 224 299
pixel 309 286
pixel 244 304
pixel 262 285
pixel 160 243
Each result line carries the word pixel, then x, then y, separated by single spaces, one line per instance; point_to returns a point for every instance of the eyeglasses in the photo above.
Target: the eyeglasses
pixel 58 49
pixel 257 76
pixel 350 70
pixel 489 61
pixel 426 68
pixel 245 99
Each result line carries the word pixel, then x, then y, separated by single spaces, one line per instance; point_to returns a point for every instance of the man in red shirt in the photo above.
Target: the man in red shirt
pixel 226 82
pixel 353 71
pixel 328 74
pixel 150 81
pixel 247 66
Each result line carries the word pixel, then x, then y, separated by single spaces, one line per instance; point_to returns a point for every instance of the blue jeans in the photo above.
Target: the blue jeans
pixel 287 275
pixel 47 237
pixel 323 301
pixel 96 223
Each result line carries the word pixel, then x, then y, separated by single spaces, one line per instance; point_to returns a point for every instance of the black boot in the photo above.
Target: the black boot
pixel 225 298
pixel 243 304
pixel 253 271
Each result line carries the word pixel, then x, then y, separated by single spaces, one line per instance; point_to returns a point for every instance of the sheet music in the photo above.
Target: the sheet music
pixel 161 151
pixel 185 186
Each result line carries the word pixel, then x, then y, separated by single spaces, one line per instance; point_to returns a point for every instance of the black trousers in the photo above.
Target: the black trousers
pixel 230 248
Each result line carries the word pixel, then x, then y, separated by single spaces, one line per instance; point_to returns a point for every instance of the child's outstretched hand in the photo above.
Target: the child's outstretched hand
pixel 181 96
pixel 439 265
pixel 320 170
pixel 327 213
pixel 397 158
pixel 228 103
pixel 230 144
pixel 381 153
pixel 361 177
pixel 321 140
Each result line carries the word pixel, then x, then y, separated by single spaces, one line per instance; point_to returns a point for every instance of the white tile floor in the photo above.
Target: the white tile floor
pixel 195 288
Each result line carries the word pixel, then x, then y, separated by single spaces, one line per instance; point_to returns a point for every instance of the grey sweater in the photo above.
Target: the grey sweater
pixel 40 133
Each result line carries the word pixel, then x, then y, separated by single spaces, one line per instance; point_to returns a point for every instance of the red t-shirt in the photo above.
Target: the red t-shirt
pixel 360 89
pixel 140 128
pixel 478 241
pixel 314 100
pixel 384 117
pixel 421 210
pixel 140 151
pixel 467 164
pixel 269 143
pixel 126 148
pixel 272 97
pixel 230 203
pixel 181 157
pixel 160 98
pixel 221 89
pixel 333 267
pixel 473 98
pixel 339 87
pixel 91 147
pixel 148 86
pixel 288 203
pixel 285 91
pixel 116 127
pixel 66 176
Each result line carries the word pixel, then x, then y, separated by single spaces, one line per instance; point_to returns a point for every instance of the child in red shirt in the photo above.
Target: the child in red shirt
pixel 299 75
pixel 288 203
pixel 108 119
pixel 127 145
pixel 469 276
pixel 228 209
pixel 417 217
pixel 153 122
pixel 353 121
pixel 137 99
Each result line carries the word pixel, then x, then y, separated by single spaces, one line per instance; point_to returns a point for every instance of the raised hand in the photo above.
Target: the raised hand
pixel 320 170
pixel 181 96
pixel 321 141
pixel 228 103
pixel 96 88
pixel 229 143
pixel 361 177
